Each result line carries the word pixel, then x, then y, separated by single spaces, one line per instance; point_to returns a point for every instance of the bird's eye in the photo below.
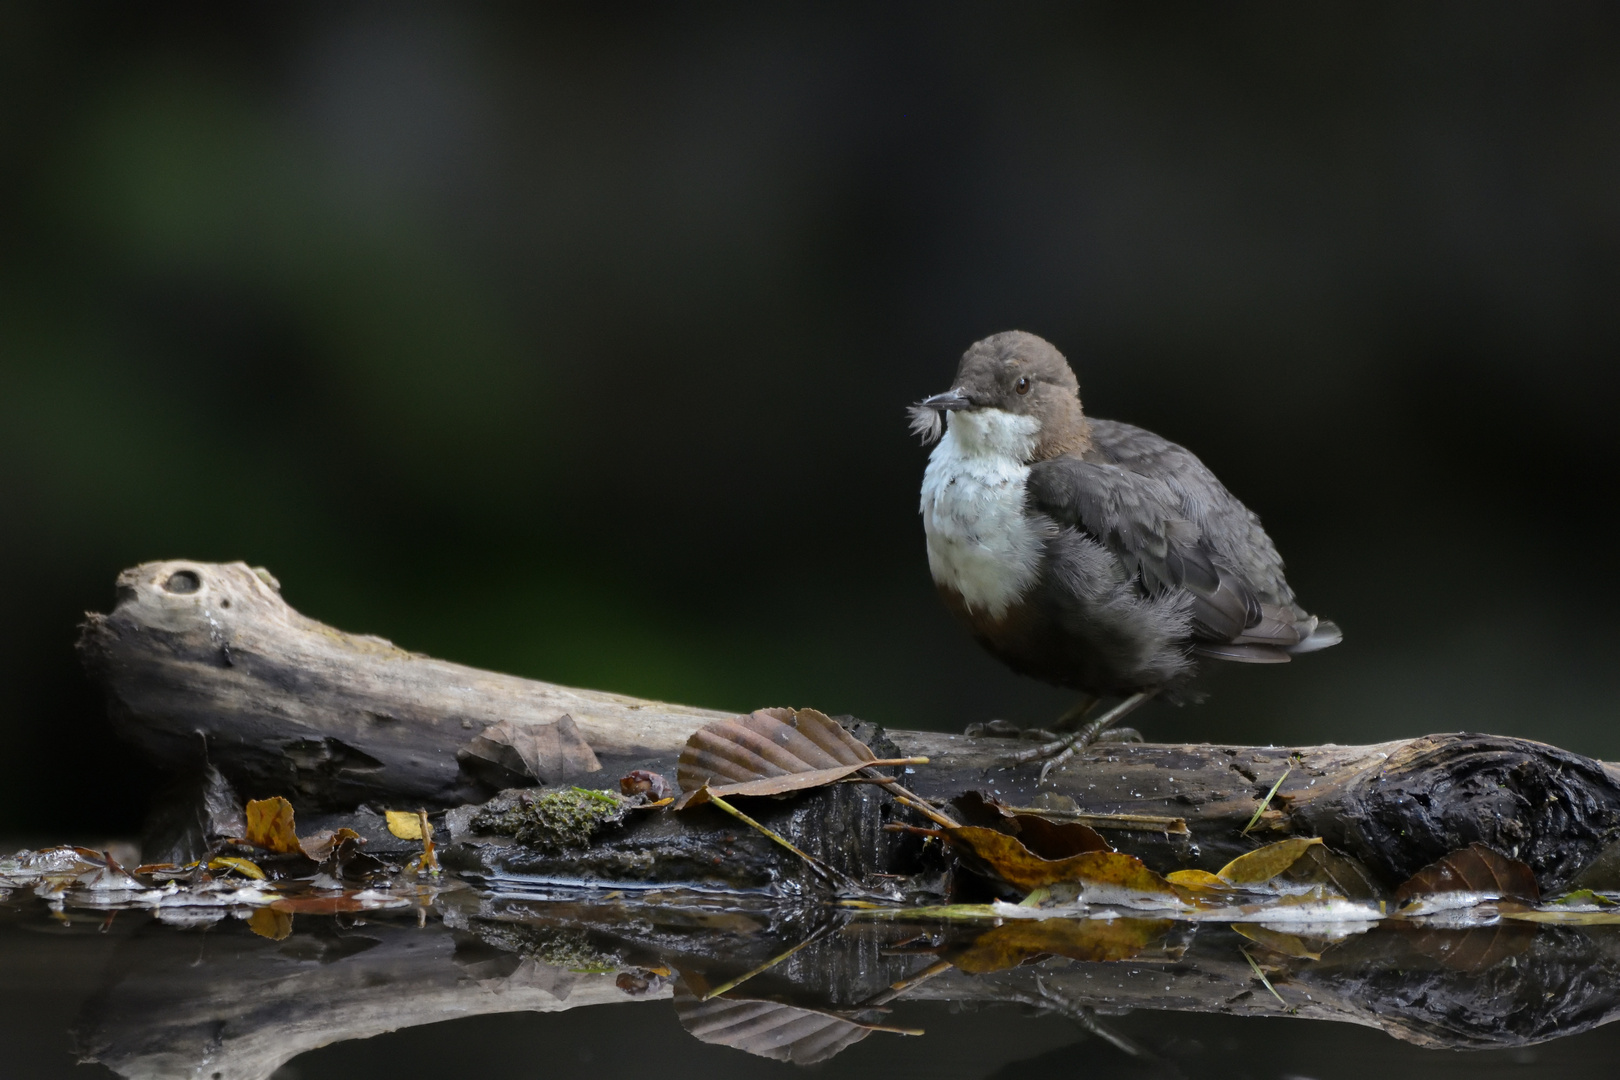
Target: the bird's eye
pixel 1022 385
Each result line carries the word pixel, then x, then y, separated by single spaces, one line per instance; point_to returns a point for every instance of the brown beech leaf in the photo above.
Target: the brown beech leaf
pixel 1473 869
pixel 506 754
pixel 270 826
pixel 1008 858
pixel 1089 940
pixel 1046 838
pixel 319 846
pixel 768 752
pixel 1262 864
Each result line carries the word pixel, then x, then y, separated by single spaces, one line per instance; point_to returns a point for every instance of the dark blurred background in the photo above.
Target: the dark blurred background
pixel 574 341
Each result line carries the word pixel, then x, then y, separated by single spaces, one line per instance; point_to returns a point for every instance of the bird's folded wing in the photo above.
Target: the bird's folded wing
pixel 1148 525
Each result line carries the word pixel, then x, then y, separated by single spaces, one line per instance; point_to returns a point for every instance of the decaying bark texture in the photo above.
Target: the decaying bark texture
pixel 204 658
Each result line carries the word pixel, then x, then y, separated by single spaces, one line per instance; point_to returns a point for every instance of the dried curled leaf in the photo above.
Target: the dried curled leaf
pixel 318 847
pixel 270 826
pixel 1089 940
pixel 1046 838
pixel 768 752
pixel 1263 864
pixel 1008 858
pixel 1321 865
pixel 1475 870
pixel 508 754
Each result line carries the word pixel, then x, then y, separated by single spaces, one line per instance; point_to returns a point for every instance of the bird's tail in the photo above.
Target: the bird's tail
pixel 1325 635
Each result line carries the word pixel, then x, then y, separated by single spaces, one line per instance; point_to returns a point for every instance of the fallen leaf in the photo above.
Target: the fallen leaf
pixel 1475 869
pixel 507 753
pixel 270 826
pixel 405 824
pixel 319 846
pixel 1261 865
pixel 1277 941
pixel 1007 858
pixel 1570 899
pixel 267 923
pixel 245 867
pixel 768 752
pixel 1088 940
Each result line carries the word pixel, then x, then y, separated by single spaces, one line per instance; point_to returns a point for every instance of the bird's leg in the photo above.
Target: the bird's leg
pixel 1061 749
pixel 1009 730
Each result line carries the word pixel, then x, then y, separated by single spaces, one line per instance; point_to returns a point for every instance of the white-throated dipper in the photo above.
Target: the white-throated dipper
pixel 1090 553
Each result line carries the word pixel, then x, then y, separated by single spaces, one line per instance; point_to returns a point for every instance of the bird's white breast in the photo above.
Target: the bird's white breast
pixel 980 541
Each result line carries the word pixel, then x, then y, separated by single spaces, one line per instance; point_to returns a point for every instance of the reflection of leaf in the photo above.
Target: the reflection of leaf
pixel 1263 864
pixel 768 752
pixel 1010 860
pixel 321 905
pixel 275 925
pixel 405 824
pixel 1090 940
pixel 245 867
pixel 1475 949
pixel 1475 869
pixel 767 1029
pixel 1277 941
pixel 270 826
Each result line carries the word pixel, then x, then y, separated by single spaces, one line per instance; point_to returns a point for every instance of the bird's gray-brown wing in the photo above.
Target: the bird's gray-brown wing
pixel 1173 525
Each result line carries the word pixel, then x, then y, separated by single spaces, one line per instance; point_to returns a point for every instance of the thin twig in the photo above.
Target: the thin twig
pixel 1262 977
pixel 828 874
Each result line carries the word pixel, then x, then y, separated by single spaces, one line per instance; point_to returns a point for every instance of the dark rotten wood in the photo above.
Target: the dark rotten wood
pixel 198 655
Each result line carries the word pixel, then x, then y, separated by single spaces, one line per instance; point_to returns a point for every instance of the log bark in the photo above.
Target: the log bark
pixel 206 660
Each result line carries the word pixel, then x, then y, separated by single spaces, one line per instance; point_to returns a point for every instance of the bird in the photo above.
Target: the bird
pixel 1088 553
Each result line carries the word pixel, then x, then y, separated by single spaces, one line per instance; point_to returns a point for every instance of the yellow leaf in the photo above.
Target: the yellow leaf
pixel 1196 879
pixel 270 826
pixel 245 867
pixel 405 824
pixel 1277 941
pixel 275 925
pixel 1089 940
pixel 1008 858
pixel 1263 864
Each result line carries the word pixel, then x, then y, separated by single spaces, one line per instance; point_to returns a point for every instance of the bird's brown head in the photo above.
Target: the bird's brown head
pixel 1017 375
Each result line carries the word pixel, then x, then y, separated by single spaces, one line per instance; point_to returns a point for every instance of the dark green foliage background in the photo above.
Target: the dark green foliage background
pixel 574 340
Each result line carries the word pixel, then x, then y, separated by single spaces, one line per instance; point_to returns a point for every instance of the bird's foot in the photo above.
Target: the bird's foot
pixel 1061 749
pixel 998 729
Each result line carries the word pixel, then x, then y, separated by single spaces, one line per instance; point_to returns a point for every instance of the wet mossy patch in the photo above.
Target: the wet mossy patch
pixel 552 819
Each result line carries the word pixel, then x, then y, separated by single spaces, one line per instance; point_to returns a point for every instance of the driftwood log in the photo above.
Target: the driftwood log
pixel 206 662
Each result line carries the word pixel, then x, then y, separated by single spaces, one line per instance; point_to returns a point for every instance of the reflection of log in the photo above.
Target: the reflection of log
pixel 200 653
pixel 236 1006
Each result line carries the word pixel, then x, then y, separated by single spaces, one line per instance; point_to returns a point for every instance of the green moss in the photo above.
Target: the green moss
pixel 568 949
pixel 555 820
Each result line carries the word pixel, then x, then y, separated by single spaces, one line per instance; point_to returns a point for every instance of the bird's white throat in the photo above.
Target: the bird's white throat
pixel 981 544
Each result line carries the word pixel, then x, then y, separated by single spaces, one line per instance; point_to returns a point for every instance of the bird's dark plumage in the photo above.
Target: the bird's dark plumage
pixel 1091 553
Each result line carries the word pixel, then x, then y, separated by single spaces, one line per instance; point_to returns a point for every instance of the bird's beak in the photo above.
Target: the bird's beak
pixel 949 401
